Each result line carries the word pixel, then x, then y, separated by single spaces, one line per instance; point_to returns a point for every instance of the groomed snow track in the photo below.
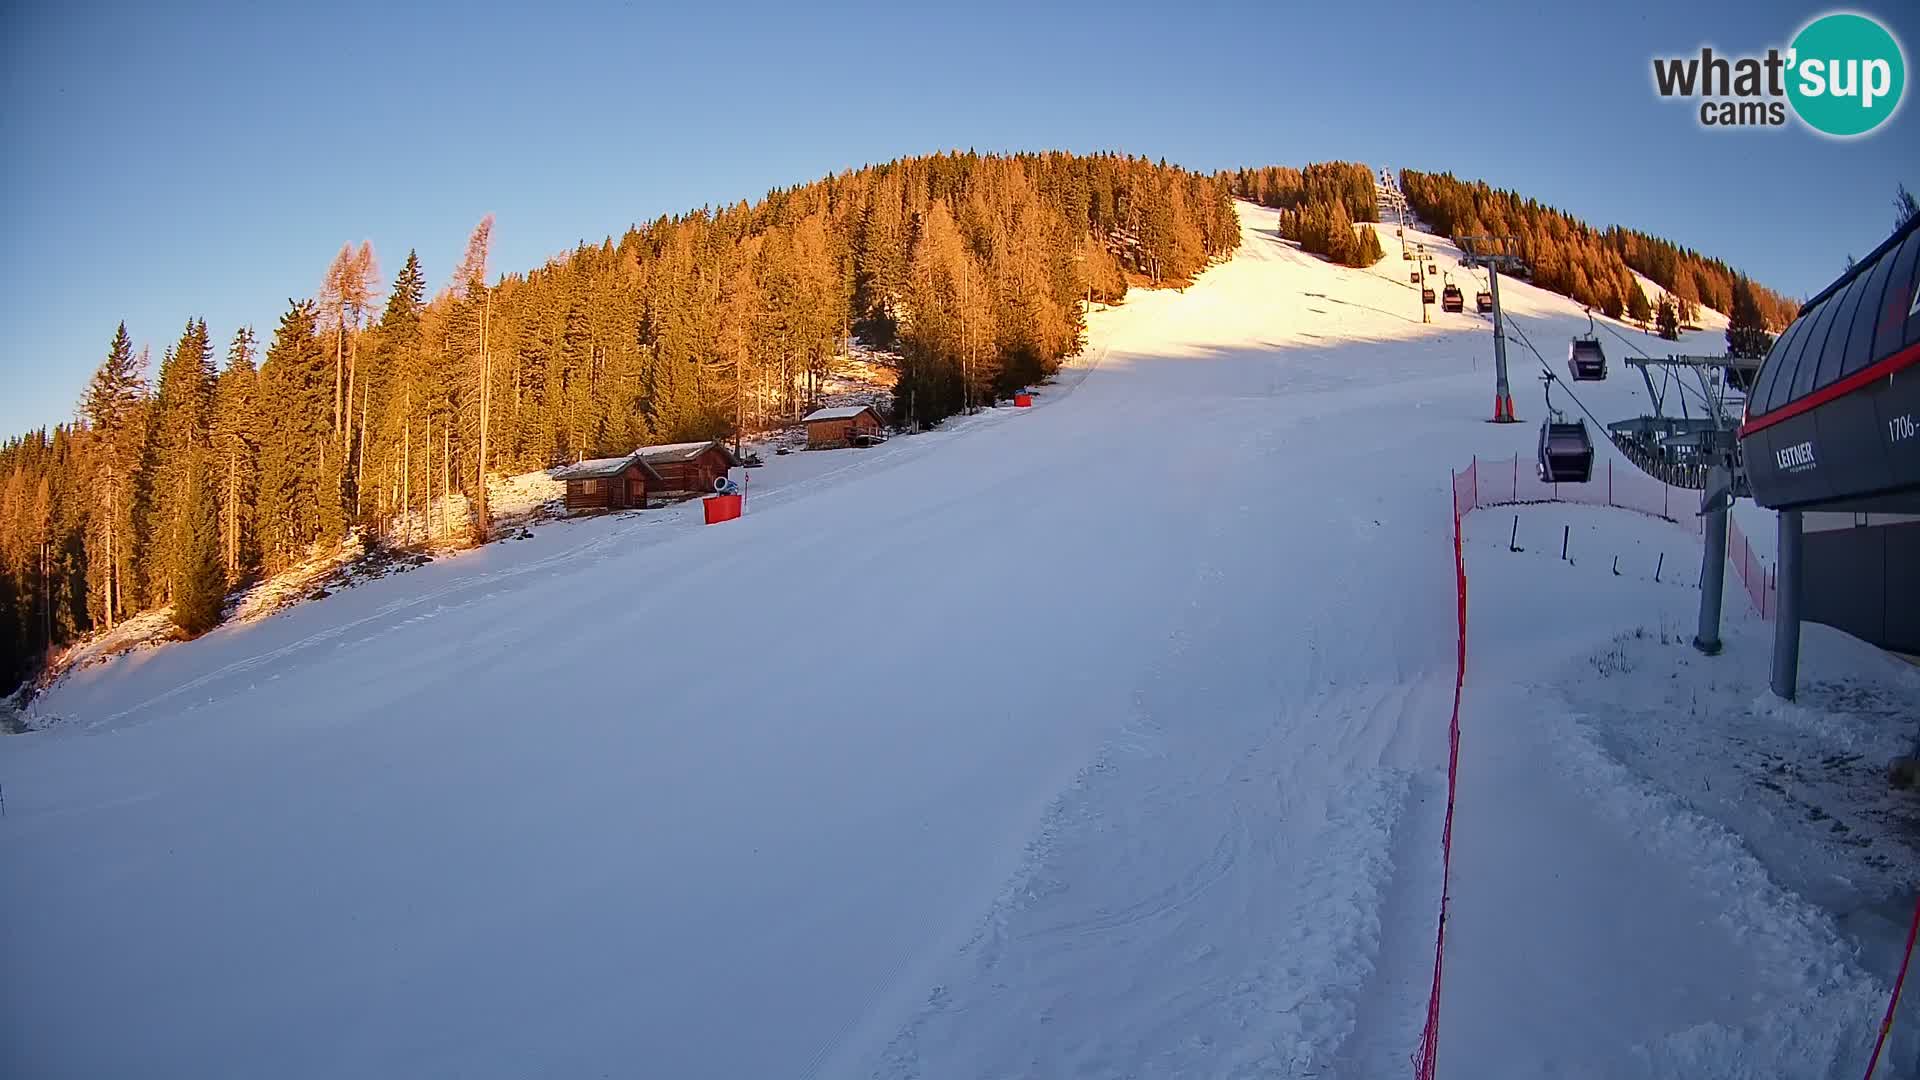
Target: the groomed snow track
pixel 1106 738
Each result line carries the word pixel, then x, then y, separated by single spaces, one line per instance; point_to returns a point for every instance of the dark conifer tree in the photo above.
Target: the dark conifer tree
pixel 112 408
pixel 1637 307
pixel 199 580
pixel 1668 320
pixel 232 468
pixel 297 379
pixel 1746 329
pixel 182 410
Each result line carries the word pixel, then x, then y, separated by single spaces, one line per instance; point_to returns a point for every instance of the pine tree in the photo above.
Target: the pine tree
pixel 397 376
pixel 234 440
pixel 1905 206
pixel 1368 250
pixel 111 408
pixel 1637 307
pixel 182 409
pixel 473 341
pixel 296 386
pixel 1686 300
pixel 885 239
pixel 1668 320
pixel 931 385
pixel 198 578
pixel 1746 327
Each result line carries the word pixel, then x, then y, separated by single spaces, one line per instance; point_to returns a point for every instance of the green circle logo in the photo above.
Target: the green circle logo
pixel 1846 74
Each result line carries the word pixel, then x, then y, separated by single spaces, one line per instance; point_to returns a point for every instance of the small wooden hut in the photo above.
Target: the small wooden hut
pixel 614 483
pixel 689 468
pixel 831 428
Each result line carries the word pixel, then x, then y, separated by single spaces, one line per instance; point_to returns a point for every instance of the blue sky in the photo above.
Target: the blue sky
pixel 165 161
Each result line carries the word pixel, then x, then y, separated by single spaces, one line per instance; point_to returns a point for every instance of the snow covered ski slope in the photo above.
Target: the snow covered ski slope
pixel 1105 738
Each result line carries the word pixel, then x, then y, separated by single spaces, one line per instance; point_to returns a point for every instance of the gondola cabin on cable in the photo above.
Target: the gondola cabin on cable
pixel 1413 278
pixel 1566 450
pixel 1586 361
pixel 1566 453
pixel 1406 256
pixel 1432 269
pixel 1832 429
pixel 615 483
pixel 1426 295
pixel 1483 301
pixel 1452 299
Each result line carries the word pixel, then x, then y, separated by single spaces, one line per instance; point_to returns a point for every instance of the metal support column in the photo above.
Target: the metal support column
pixel 1495 253
pixel 1713 580
pixel 1786 624
pixel 1502 394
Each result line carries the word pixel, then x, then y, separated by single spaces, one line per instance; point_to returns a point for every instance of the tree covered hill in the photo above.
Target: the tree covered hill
pixel 1592 266
pixel 374 397
pixel 1319 206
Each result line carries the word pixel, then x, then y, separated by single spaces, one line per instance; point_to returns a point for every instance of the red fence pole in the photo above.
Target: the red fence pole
pixel 1426 1058
pixel 1886 1024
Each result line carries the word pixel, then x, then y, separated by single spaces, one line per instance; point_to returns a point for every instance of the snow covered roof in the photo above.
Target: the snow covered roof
pixel 673 453
pixel 596 468
pixel 844 412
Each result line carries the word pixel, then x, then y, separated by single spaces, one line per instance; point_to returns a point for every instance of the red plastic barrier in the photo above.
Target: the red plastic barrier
pixel 1022 401
pixel 721 508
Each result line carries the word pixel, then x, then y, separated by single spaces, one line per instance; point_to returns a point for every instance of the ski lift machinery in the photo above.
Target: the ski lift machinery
pixel 1586 361
pixel 1566 451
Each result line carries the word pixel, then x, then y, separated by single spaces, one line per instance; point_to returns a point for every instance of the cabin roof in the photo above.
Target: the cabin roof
pixel 843 412
pixel 598 468
pixel 676 453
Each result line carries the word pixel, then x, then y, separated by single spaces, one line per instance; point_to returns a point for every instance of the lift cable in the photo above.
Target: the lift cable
pixel 1667 377
pixel 1548 368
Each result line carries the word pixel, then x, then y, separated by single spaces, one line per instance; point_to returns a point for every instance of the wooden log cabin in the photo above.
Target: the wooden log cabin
pixel 615 483
pixel 688 468
pixel 831 428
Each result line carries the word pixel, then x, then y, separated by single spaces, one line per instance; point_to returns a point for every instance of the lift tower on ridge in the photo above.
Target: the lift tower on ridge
pixel 1496 253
